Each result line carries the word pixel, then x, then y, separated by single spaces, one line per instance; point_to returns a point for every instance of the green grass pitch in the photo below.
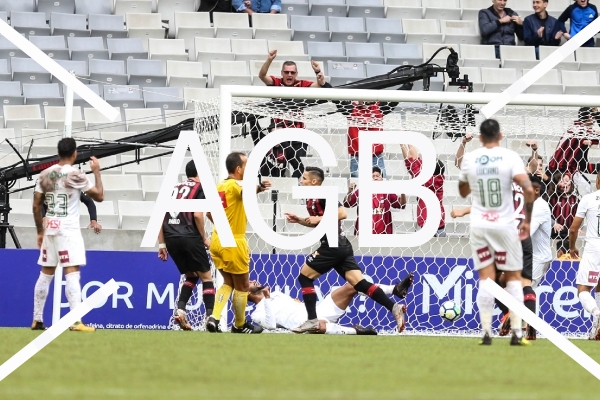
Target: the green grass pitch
pixel 168 365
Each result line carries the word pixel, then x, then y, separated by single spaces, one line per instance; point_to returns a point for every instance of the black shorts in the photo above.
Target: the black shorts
pixel 188 253
pixel 339 258
pixel 527 246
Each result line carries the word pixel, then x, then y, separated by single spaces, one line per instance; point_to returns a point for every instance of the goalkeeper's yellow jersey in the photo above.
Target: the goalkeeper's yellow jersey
pixel 230 191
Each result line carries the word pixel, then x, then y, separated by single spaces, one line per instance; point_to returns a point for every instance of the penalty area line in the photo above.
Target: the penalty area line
pixel 542 326
pixel 55 330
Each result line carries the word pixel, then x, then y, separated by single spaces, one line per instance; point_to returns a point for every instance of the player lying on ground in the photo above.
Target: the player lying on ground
pixel 278 310
pixel 589 267
pixel 326 258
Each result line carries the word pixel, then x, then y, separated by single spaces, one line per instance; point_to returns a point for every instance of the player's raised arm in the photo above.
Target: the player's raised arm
pixel 97 192
pixel 38 207
pixel 460 152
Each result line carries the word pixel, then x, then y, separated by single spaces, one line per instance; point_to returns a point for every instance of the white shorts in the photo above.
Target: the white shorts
pixel 539 270
pixel 589 269
pixel 63 251
pixel 328 311
pixel 498 246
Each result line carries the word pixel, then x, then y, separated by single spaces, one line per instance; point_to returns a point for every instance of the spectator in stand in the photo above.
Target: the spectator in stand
pixel 257 6
pixel 382 205
pixel 571 154
pixel 413 163
pixel 535 165
pixel 563 201
pixel 289 72
pixel 499 24
pixel 581 13
pixel 541 29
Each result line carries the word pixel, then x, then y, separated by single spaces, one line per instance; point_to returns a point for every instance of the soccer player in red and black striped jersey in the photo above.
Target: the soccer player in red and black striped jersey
pixel 326 258
pixel 563 204
pixel 182 235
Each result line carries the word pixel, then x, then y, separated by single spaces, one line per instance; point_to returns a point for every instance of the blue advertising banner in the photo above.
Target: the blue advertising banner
pixel 148 290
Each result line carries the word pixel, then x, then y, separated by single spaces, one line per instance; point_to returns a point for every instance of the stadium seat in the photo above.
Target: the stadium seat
pixel 377 69
pixel 21 215
pixel 309 28
pixel 165 98
pixel 394 12
pixel 168 8
pixel 364 52
pixel 188 26
pixel 249 49
pixel 4 16
pixel 78 101
pixel 105 212
pixel 55 118
pixel 94 120
pixel 112 72
pixel 128 96
pixel 151 186
pixel 54 46
pixel 107 26
pixel 147 72
pixel 185 74
pixel 345 72
pixel 461 32
pixel 79 68
pixel 11 93
pixel 17 6
pixel 347 29
pixel 124 7
pixel 145 167
pixel 196 94
pixel 29 23
pixel 385 30
pixel 287 49
pixel 23 117
pixel 518 57
pixel 422 31
pixel 53 6
pixel 271 26
pixel 588 57
pixel 293 7
pixel 497 79
pixel 402 54
pixel 86 48
pixel 69 25
pixel 144 120
pixel 568 64
pixel 208 49
pixel 482 56
pixel 145 26
pixel 87 7
pixel 430 48
pixel 5 149
pixel 326 51
pixel 8 50
pixel 44 94
pixel 232 25
pixel 173 117
pixel 27 70
pixel 167 49
pixel 441 9
pixel 126 49
pixel 328 8
pixel 365 8
pixel 580 82
pixel 549 83
pixel 474 4
pixel 229 73
pixel 44 142
pixel 134 215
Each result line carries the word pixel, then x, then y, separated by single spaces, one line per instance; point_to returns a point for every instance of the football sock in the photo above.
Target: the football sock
pixel 240 301
pixel 186 292
pixel 387 289
pixel 208 296
pixel 485 303
pixel 374 292
pixel 529 298
pixel 73 289
pixel 335 329
pixel 221 299
pixel 589 304
pixel 501 306
pixel 40 294
pixel 309 295
pixel 515 289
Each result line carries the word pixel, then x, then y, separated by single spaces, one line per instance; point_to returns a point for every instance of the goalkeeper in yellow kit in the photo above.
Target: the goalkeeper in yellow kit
pixel 233 262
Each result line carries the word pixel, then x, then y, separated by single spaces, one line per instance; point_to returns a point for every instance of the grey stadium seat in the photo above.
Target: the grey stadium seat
pixel 402 54
pixel 8 49
pixel 365 52
pixel 69 25
pixel 123 49
pixel 344 72
pixel 378 69
pixel 86 48
pixel 54 46
pixel 79 68
pixel 112 72
pixel 4 16
pixel 328 8
pixel 31 24
pixel 294 8
pixel 147 73
pixel 27 70
pixel 123 96
pixel 87 7
pixel 347 29
pixel 53 6
pixel 5 74
pixel 10 94
pixel 17 5
pixel 385 30
pixel 44 94
pixel 366 8
pixel 326 51
pixel 307 28
pixel 107 26
pixel 166 98
pixel 79 102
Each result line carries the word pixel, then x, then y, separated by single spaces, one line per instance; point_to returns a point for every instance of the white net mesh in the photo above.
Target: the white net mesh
pixel 442 266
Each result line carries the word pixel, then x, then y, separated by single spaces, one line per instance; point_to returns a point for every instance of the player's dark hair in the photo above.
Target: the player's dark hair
pixel 490 130
pixel 233 161
pixel 66 147
pixel 376 169
pixel 286 63
pixel 316 172
pixel 584 114
pixel 190 169
pixel 440 168
pixel 535 180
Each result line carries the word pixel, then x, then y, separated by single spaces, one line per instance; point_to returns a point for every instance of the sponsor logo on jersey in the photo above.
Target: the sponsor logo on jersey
pixel 501 257
pixel 490 216
pixel 593 277
pixel 312 256
pixel 484 254
pixel 64 256
pixel 486 159
pixel 53 224
pixel 44 256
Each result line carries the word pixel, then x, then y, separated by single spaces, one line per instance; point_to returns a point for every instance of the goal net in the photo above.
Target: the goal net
pixel 442 266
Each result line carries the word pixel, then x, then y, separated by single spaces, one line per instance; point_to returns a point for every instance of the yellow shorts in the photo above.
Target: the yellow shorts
pixel 234 260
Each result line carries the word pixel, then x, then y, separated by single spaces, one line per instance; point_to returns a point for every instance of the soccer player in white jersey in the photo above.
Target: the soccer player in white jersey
pixel 540 231
pixel 278 310
pixel 488 173
pixel 59 237
pixel 589 266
